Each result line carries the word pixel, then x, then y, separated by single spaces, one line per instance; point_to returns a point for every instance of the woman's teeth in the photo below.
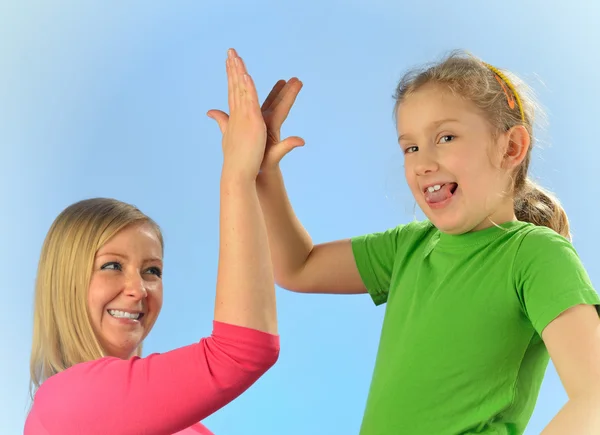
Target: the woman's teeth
pixel 434 188
pixel 124 315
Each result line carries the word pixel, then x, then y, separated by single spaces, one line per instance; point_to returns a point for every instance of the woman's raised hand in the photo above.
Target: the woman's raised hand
pixel 245 132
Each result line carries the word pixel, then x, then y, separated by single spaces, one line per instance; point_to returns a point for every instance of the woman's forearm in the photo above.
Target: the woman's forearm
pixel 245 284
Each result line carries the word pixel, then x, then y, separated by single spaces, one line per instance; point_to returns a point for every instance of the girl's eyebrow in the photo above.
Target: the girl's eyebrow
pixel 432 125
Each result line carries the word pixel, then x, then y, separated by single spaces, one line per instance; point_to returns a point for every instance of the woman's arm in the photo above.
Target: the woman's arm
pixel 165 393
pixel 156 395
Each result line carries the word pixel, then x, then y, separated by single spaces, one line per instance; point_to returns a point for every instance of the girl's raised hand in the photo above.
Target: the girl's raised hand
pixel 245 132
pixel 275 110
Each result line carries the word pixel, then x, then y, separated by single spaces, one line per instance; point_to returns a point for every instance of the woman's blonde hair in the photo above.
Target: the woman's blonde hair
pixel 62 331
pixel 506 102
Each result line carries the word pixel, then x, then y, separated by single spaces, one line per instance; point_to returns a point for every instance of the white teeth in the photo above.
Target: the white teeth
pixel 432 189
pixel 123 315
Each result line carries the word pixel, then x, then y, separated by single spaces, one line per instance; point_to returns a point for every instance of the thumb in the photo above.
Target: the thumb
pixel 221 117
pixel 279 150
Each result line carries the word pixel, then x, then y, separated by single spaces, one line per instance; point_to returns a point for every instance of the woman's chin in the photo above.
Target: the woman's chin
pixel 124 349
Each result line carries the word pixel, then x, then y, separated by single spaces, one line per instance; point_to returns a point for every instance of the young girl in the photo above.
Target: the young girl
pixel 99 293
pixel 481 293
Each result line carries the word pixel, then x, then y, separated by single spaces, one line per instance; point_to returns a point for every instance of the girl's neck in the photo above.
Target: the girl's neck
pixel 505 213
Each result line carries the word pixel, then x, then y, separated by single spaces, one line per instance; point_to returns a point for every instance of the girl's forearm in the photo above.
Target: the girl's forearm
pixel 289 242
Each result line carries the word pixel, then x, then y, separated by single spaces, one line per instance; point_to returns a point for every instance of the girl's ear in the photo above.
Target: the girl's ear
pixel 517 147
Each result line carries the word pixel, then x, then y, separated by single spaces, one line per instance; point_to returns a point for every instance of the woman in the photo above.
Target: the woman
pixel 99 293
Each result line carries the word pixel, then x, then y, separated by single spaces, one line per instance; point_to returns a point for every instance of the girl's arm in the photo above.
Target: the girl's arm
pixel 573 341
pixel 562 304
pixel 298 264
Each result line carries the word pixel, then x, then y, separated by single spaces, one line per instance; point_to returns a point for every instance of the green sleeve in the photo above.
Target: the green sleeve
pixel 550 277
pixel 375 255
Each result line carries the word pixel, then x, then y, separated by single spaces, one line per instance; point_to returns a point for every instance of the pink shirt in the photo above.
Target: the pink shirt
pixel 161 394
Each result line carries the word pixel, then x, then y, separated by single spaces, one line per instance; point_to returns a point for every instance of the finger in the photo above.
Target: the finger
pixel 278 96
pixel 284 102
pixel 247 89
pixel 250 95
pixel 232 52
pixel 238 88
pixel 242 65
pixel 220 117
pixel 273 95
pixel 230 90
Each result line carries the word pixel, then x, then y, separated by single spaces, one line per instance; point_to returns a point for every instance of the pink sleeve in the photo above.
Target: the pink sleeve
pixel 159 394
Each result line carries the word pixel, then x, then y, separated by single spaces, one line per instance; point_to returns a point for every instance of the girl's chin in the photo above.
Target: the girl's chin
pixel 448 225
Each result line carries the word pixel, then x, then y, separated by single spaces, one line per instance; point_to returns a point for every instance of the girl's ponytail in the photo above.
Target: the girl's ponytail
pixel 535 205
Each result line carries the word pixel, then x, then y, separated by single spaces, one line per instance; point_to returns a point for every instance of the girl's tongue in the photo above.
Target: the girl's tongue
pixel 445 192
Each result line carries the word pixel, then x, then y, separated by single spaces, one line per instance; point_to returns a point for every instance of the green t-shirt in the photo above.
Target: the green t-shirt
pixel 461 349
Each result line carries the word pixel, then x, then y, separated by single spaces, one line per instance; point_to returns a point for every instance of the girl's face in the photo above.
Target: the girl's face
pixel 453 164
pixel 125 294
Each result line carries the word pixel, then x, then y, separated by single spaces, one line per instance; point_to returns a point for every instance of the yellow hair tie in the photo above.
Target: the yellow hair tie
pixel 504 81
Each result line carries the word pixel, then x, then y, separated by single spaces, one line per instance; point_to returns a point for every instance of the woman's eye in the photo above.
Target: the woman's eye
pixel 156 271
pixel 447 138
pixel 410 150
pixel 111 266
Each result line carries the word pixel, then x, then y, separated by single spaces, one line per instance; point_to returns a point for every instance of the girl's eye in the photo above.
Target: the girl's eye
pixel 410 150
pixel 156 271
pixel 447 138
pixel 111 266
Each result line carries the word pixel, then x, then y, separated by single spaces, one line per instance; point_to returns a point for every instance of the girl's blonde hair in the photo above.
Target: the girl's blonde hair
pixel 62 331
pixel 492 90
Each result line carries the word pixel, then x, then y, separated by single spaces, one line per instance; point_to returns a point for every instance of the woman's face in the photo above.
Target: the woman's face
pixel 126 292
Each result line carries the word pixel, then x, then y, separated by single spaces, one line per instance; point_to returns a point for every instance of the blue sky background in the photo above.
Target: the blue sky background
pixel 109 99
